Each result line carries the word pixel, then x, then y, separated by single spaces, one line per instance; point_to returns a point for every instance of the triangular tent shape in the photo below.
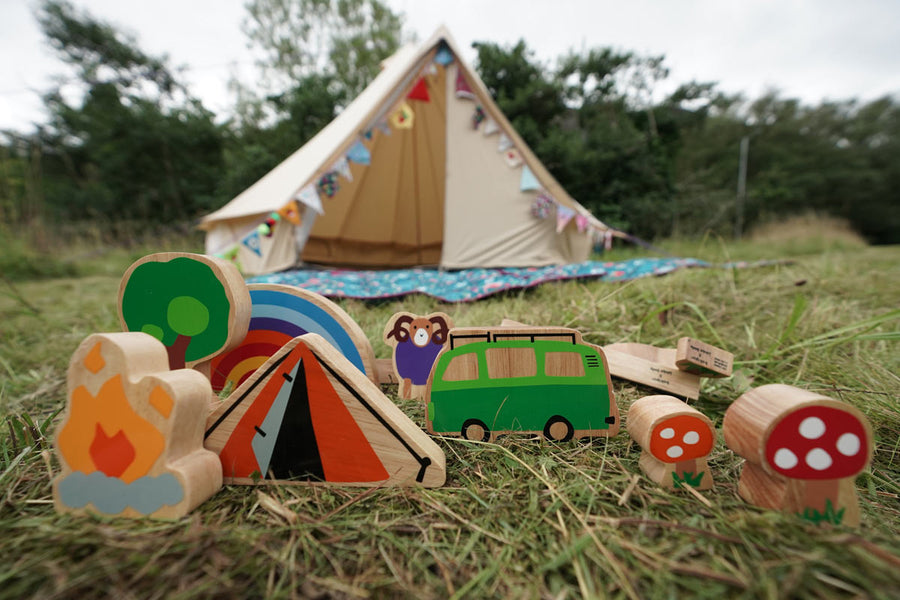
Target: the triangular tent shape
pixel 308 415
pixel 434 193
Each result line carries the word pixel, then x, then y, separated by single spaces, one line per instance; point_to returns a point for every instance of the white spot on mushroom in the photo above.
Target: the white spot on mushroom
pixel 812 428
pixel 674 452
pixel 667 434
pixel 818 459
pixel 785 459
pixel 849 444
pixel 691 438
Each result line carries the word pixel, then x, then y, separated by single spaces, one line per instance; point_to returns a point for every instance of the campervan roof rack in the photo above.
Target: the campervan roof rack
pixel 497 336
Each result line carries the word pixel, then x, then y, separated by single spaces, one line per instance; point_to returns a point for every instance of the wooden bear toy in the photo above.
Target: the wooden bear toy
pixel 803 452
pixel 676 439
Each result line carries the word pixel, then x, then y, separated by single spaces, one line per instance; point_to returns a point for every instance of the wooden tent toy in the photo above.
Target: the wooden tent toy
pixel 196 305
pixel 674 370
pixel 539 380
pixel 279 313
pixel 416 341
pixel 803 452
pixel 131 439
pixel 675 438
pixel 307 415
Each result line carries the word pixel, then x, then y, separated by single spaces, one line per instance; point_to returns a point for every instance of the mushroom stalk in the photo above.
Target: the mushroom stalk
pixel 686 466
pixel 817 491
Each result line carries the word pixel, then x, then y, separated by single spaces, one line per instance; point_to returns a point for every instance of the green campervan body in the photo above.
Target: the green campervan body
pixel 468 399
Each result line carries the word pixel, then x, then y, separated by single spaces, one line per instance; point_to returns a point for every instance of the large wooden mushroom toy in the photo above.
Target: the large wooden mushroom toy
pixel 676 439
pixel 803 452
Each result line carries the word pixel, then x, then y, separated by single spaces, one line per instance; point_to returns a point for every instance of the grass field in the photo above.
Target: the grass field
pixel 520 518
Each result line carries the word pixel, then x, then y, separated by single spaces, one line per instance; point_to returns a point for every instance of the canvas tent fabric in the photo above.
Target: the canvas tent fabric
pixel 438 192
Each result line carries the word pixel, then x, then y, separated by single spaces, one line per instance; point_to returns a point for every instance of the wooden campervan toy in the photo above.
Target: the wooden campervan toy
pixel 675 438
pixel 131 439
pixel 674 370
pixel 803 451
pixel 416 341
pixel 540 380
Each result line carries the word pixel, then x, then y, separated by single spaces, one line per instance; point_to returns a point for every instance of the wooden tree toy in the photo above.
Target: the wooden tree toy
pixel 196 305
pixel 538 380
pixel 309 416
pixel 131 439
pixel 675 438
pixel 279 314
pixel 803 451
pixel 416 341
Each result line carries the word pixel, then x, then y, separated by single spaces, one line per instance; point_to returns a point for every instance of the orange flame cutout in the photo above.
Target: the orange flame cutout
pixel 112 455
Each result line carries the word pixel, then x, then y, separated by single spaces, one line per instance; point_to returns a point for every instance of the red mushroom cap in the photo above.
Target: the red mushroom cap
pixel 680 438
pixel 818 442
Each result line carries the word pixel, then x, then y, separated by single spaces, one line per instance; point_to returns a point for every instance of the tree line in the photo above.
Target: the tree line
pixel 127 140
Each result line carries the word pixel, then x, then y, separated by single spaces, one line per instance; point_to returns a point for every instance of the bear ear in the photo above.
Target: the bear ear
pixel 399 332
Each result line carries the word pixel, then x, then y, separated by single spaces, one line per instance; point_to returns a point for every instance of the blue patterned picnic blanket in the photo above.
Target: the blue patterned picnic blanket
pixel 469 284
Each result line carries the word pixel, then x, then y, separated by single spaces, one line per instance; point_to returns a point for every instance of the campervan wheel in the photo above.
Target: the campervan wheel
pixel 475 430
pixel 558 429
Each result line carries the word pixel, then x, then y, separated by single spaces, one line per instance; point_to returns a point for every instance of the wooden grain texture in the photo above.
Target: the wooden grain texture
pixel 803 451
pixel 517 379
pixel 691 433
pixel 703 359
pixel 131 438
pixel 279 314
pixel 197 305
pixel 653 367
pixel 415 340
pixel 308 416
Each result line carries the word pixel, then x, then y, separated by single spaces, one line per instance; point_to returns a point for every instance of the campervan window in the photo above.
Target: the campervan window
pixel 510 362
pixel 563 364
pixel 462 368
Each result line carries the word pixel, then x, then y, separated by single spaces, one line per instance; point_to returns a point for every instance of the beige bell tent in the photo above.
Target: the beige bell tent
pixel 448 183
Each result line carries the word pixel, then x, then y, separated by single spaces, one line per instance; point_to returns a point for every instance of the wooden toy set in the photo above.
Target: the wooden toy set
pixel 215 381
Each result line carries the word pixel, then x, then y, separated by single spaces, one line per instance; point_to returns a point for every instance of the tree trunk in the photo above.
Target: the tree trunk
pixel 177 351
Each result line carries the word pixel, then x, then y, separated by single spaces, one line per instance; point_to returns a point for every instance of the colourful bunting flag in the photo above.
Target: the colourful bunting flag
pixel 368 134
pixel 581 222
pixel 252 241
pixel 328 184
pixel 310 197
pixel 490 127
pixel 563 216
pixel 478 117
pixel 383 126
pixel 528 180
pixel 504 143
pixel 403 117
pixel 291 212
pixel 462 87
pixel 359 154
pixel 431 69
pixel 513 158
pixel 443 56
pixel 541 207
pixel 419 91
pixel 607 240
pixel 342 167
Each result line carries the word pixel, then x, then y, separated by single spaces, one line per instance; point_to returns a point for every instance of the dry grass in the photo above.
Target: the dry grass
pixel 516 519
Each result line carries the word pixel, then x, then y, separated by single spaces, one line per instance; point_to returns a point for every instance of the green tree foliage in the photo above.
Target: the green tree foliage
pixel 133 144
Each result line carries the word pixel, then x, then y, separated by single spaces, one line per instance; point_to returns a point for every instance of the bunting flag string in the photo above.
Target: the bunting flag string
pixel 419 91
pixel 359 154
pixel 252 242
pixel 443 56
pixel 504 143
pixel 342 167
pixel 528 180
pixel 310 197
pixel 402 118
pixel 462 87
pixel 383 126
pixel 541 206
pixel 513 158
pixel 328 184
pixel 564 214
pixel 581 222
pixel 478 117
pixel 490 127
pixel 291 212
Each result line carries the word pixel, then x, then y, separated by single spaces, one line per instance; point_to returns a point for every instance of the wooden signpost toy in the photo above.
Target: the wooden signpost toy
pixel 308 415
pixel 540 380
pixel 280 313
pixel 416 340
pixel 674 370
pixel 803 452
pixel 675 438
pixel 196 305
pixel 131 439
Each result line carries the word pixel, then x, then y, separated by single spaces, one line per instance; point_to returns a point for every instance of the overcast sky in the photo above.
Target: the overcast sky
pixel 810 49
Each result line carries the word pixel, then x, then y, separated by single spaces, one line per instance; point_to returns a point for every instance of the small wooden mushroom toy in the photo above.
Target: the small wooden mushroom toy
pixel 803 452
pixel 676 439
